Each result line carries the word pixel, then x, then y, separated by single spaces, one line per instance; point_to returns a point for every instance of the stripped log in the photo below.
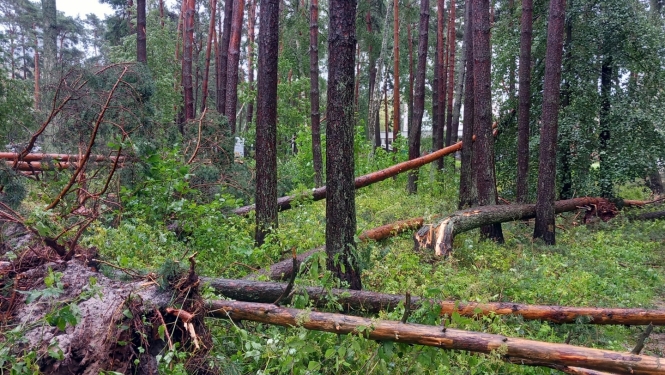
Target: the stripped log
pixel 372 303
pixel 284 203
pixel 282 270
pixel 440 236
pixel 446 338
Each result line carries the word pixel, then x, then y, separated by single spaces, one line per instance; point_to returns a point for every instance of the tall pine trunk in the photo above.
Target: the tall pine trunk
pixel 544 227
pixel 484 146
pixel 232 64
pixel 340 192
pixel 419 94
pixel 188 42
pixel 224 57
pixel 438 84
pixel 50 56
pixel 411 78
pixel 396 109
pixel 251 21
pixel 211 32
pixel 457 106
pixel 141 54
pixel 524 102
pixel 266 121
pixel 467 185
pixel 314 92
pixel 450 137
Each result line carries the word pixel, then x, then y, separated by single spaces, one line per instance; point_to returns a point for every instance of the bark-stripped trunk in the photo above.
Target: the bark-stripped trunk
pixel 419 95
pixel 396 109
pixel 211 32
pixel 340 202
pixel 447 338
pixel 251 20
pixel 224 57
pixel 232 64
pixel 440 236
pixel 467 184
pixel 484 146
pixel 524 102
pixel 544 227
pixel 266 121
pixel 141 54
pixel 363 181
pixel 314 92
pixel 450 137
pixel 188 49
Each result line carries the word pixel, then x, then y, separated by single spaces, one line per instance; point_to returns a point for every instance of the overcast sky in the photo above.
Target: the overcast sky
pixel 83 7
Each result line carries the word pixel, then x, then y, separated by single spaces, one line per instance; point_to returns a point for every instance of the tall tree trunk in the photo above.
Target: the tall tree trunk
pixel 524 102
pixel 141 54
pixel 251 20
pixel 375 97
pixel 544 227
pixel 50 55
pixel 161 13
pixel 314 92
pixel 340 197
pixel 357 87
pixel 233 62
pixel 460 87
pixel 419 95
pixel 266 121
pixel 386 121
pixel 606 185
pixel 565 152
pixel 224 57
pixel 438 106
pixel 468 194
pixel 411 78
pixel 484 147
pixel 37 74
pixel 450 137
pixel 188 47
pixel 372 70
pixel 211 32
pixel 396 109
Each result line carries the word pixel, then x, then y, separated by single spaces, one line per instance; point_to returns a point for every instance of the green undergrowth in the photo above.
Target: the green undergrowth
pixel 615 264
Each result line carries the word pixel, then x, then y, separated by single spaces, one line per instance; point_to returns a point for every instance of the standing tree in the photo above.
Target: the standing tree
pixel 439 84
pixel 223 53
pixel 251 21
pixel 232 64
pixel 340 192
pixel 50 56
pixel 314 92
pixel 484 148
pixel 544 227
pixel 141 55
pixel 187 53
pixel 266 120
pixel 419 95
pixel 450 137
pixel 524 102
pixel 468 194
pixel 396 114
pixel 206 70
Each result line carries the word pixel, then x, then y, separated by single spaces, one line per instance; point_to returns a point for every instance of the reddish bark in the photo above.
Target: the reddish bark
pixel 211 32
pixel 224 57
pixel 545 225
pixel 232 64
pixel 439 84
pixel 251 21
pixel 450 137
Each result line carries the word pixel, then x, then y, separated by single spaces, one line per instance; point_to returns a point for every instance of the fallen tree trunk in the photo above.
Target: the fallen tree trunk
pixel 440 236
pixel 445 338
pixel 284 203
pixel 58 157
pixel 282 270
pixel 648 216
pixel 372 303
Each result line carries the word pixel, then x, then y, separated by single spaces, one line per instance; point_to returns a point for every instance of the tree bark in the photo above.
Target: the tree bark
pixel 315 113
pixel 141 53
pixel 606 185
pixel 373 303
pixel 484 146
pixel 284 203
pixel 439 84
pixel 266 121
pixel 188 41
pixel 448 338
pixel 450 137
pixel 419 95
pixel 50 56
pixel 340 195
pixel 440 236
pixel 251 21
pixel 468 194
pixel 460 89
pixel 232 64
pixel 544 227
pixel 524 102
pixel 375 97
pixel 411 78
pixel 211 32
pixel 396 109
pixel 224 57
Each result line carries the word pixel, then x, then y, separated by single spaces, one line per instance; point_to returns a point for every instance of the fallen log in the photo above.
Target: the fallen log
pixel 282 270
pixel 284 203
pixel 57 157
pixel 648 216
pixel 440 236
pixel 372 303
pixel 445 338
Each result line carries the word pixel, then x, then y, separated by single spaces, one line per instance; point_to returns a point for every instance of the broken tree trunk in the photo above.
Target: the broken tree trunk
pixel 648 216
pixel 440 236
pixel 372 303
pixel 58 157
pixel 283 270
pixel 445 338
pixel 284 203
